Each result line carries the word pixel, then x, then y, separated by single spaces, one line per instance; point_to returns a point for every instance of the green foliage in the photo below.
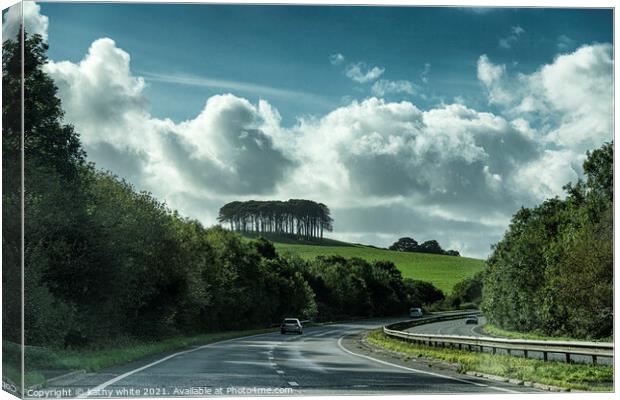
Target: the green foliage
pixel 420 293
pixel 430 246
pixel 467 291
pixel 552 273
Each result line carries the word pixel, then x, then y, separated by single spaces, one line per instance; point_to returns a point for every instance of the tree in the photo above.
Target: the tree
pixel 405 244
pixel 421 293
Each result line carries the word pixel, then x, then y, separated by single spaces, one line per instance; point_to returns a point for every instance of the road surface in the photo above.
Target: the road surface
pixel 324 360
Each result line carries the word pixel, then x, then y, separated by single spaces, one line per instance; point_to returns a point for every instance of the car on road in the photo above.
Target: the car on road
pixel 415 312
pixel 471 320
pixel 291 325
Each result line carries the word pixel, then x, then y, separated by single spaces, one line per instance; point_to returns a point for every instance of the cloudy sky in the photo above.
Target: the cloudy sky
pixel 435 123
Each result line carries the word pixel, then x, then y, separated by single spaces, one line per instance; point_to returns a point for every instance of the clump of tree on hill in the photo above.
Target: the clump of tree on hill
pixel 104 262
pixel 553 271
pixel 410 245
pixel 299 218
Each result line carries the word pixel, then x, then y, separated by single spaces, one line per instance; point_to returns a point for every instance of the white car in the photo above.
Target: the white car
pixel 415 312
pixel 291 325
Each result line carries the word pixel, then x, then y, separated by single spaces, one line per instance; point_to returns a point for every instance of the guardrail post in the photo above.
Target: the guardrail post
pixel 544 356
pixel 525 353
pixel 593 359
pixel 494 350
pixel 568 358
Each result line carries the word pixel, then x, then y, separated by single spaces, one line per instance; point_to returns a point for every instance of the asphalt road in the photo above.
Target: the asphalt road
pixel 324 360
pixel 453 327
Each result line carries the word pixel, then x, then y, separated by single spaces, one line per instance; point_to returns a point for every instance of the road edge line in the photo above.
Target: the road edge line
pixel 420 371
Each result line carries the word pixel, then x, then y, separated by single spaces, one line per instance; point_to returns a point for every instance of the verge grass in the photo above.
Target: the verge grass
pixel 572 376
pixel 494 330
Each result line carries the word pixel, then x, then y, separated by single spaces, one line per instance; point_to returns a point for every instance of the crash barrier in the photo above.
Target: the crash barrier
pixel 473 343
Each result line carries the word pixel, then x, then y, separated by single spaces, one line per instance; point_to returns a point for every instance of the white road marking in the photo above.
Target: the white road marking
pixel 279 371
pixel 420 371
pixel 293 383
pixel 126 374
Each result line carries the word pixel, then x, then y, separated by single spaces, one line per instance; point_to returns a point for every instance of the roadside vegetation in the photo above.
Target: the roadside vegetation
pixel 571 376
pixel 493 330
pixel 552 273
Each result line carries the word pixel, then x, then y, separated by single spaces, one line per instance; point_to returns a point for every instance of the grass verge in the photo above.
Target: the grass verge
pixel 572 376
pixel 40 359
pixel 499 332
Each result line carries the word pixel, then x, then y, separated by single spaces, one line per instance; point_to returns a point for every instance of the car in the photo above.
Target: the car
pixel 291 325
pixel 415 312
pixel 471 320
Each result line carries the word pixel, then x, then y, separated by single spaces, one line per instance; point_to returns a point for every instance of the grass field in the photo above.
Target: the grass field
pixel 442 271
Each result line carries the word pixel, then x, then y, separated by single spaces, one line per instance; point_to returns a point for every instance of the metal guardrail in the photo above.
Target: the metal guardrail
pixel 591 349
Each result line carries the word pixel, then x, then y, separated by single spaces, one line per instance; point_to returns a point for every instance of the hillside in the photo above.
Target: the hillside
pixel 442 271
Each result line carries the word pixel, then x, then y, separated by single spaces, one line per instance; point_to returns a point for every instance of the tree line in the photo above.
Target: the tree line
pixel 552 272
pixel 295 217
pixel 411 245
pixel 105 262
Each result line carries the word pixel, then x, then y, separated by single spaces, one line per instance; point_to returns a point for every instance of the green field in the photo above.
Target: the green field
pixel 442 271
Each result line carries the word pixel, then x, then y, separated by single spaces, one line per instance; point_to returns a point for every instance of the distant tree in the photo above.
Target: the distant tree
pixel 453 253
pixel 405 244
pixel 420 293
pixel 431 246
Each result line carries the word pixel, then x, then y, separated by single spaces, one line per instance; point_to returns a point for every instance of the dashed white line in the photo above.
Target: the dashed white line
pixel 420 371
pixel 293 383
pixel 279 371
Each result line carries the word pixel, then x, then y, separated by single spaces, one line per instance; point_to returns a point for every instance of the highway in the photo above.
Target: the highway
pixel 324 360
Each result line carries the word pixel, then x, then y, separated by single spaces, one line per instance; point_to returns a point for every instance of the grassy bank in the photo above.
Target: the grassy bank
pixel 39 359
pixel 442 271
pixel 499 332
pixel 573 376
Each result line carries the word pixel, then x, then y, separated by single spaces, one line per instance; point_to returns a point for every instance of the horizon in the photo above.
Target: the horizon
pixel 402 125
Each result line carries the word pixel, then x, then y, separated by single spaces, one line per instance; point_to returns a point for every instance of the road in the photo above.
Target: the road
pixel 324 360
pixel 452 327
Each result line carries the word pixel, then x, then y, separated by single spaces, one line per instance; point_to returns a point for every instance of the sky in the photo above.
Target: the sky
pixel 432 123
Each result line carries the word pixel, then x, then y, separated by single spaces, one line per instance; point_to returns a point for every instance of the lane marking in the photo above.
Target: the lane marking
pixel 104 385
pixel 293 383
pixel 420 371
pixel 279 371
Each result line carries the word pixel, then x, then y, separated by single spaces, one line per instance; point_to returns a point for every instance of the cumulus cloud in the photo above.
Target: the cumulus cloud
pixel 359 72
pixel 336 59
pixel 34 21
pixel 383 86
pixel 223 150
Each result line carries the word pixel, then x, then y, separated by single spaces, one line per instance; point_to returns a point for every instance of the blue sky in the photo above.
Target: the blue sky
pixel 288 47
pixel 433 123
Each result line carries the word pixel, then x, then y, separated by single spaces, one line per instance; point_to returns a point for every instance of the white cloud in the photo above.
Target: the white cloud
pixel 360 73
pixel 336 59
pixel 34 22
pixel 224 151
pixel 491 76
pixel 383 87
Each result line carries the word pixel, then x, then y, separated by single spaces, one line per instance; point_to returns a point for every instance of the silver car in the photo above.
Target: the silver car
pixel 291 325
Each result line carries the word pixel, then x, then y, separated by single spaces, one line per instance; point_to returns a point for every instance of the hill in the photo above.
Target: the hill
pixel 443 271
